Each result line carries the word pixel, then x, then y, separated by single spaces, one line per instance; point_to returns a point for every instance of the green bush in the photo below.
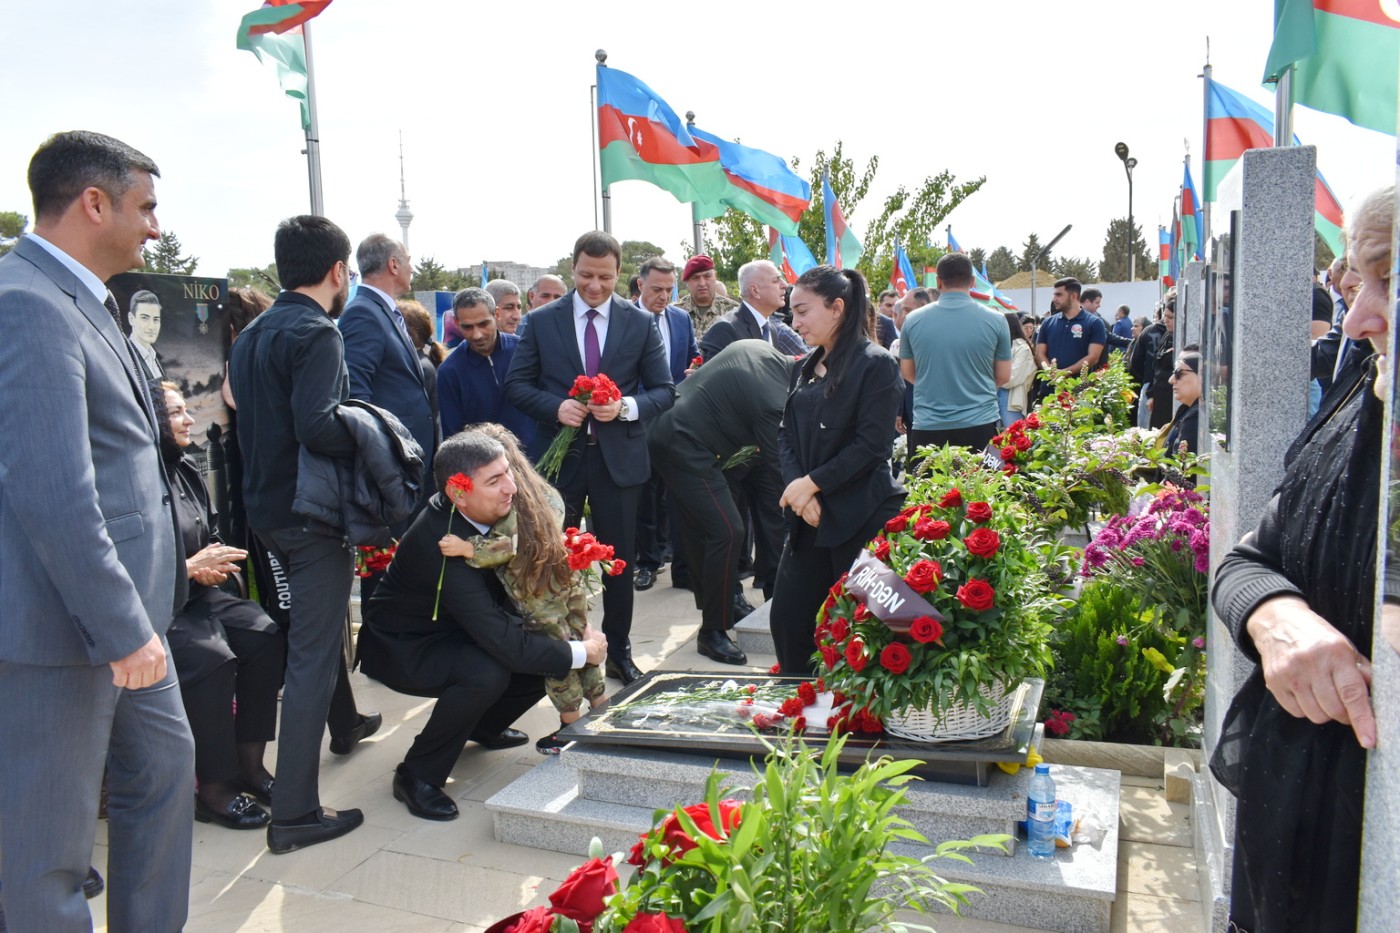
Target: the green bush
pixel 1113 689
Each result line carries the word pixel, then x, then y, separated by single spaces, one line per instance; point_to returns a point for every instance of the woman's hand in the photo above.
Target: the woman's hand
pixel 213 564
pixel 1312 669
pixel 798 494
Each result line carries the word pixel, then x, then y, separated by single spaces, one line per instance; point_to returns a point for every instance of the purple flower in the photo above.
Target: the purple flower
pixel 1123 640
pixel 1202 563
pixel 1110 537
pixel 1198 642
pixel 1138 561
pixel 1194 516
pixel 1178 544
pixel 1094 558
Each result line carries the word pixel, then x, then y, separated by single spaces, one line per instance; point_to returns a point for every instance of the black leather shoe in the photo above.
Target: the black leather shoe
pixel 741 607
pixel 261 791
pixel 717 646
pixel 422 799
pixel 93 885
pixel 507 738
pixel 241 813
pixel 623 670
pixel 330 824
pixel 369 724
pixel 645 579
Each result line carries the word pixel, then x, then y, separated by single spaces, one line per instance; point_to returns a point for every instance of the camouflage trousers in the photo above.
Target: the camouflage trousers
pixel 568 693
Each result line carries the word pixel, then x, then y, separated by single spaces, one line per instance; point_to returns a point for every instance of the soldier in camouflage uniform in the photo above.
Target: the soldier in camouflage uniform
pixel 704 303
pixel 561 615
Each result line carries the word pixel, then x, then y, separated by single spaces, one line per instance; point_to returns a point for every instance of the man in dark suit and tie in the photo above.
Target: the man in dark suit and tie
pixel 91 565
pixel 591 331
pixel 657 279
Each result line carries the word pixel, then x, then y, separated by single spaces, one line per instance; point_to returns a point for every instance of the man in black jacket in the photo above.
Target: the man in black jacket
pixel 288 374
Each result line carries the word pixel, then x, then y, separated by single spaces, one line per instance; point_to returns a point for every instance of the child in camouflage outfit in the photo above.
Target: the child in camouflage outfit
pixel 561 615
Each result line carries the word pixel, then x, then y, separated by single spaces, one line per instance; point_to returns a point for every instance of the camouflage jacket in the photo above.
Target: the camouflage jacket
pixel 702 318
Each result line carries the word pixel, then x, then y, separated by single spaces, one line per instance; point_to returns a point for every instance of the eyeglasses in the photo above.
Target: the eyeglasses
pixel 1181 371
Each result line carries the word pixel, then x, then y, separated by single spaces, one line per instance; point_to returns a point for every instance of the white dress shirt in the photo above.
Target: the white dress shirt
pixel 600 326
pixel 761 321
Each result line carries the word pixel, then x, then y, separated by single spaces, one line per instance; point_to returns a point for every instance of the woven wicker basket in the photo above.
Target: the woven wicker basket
pixel 961 721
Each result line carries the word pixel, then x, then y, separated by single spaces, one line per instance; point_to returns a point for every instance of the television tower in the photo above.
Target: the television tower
pixel 404 216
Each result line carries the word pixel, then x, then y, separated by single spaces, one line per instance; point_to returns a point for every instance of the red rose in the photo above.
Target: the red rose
pixel 830 656
pixel 855 654
pixel 897 524
pixel 924 576
pixel 1032 421
pixel 929 529
pixel 654 923
pixel 807 694
pixel 997 439
pixel 1009 469
pixel 882 549
pixel 979 512
pixel 839 629
pixel 982 542
pixel 675 838
pixel 1016 426
pixel 1008 453
pixel 1066 400
pixel 925 629
pixel 953 497
pixel 534 920
pixel 895 658
pixel 976 595
pixel 581 895
pixel 861 614
pixel 1022 442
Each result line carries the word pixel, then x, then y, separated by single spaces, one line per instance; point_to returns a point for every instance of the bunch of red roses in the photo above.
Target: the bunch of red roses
pixel 578 902
pixel 1014 442
pixel 965 551
pixel 594 390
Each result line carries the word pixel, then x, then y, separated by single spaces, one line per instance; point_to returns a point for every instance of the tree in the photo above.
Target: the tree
pixel 166 258
pixel 1081 269
pixel 1114 266
pixel 634 253
pixel 1322 253
pixel 12 224
pixel 429 275
pixel 1028 252
pixel 737 239
pixel 264 280
pixel 1001 265
pixel 978 255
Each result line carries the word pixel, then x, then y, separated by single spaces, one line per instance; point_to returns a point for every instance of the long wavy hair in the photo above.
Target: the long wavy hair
pixel 541 564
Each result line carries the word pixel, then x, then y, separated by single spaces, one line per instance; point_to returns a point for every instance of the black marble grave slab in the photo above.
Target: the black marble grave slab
pixel 683 711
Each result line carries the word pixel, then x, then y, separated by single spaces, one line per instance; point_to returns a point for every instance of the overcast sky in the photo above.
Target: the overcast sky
pixel 493 102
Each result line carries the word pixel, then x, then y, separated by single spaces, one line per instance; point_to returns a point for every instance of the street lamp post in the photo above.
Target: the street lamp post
pixel 1035 261
pixel 1129 163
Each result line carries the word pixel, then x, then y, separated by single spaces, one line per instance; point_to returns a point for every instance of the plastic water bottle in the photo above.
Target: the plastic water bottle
pixel 1040 814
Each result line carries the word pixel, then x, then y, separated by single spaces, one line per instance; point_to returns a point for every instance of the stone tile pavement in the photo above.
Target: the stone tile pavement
pixel 399 873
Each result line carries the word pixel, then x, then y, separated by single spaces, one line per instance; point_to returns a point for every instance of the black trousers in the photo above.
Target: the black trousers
pixel 252 679
pixel 653 525
pixel 710 527
pixel 762 487
pixel 805 575
pixel 976 437
pixel 612 517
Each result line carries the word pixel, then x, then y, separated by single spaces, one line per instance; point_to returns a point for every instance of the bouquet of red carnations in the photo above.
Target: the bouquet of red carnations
pixel 371 560
pixel 585 551
pixel 595 390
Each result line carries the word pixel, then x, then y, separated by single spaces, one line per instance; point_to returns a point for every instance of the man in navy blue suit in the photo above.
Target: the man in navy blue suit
pixel 591 331
pixel 658 282
pixel 379 354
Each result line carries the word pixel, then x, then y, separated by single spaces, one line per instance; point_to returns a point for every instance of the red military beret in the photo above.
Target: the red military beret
pixel 700 263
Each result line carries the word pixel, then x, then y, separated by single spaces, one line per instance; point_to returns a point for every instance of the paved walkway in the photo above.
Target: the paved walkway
pixel 400 873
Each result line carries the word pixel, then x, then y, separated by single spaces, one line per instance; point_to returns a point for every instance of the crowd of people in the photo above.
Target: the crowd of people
pixel 740 436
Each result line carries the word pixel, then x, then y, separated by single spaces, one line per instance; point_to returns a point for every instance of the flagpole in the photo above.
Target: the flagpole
pixel 602 58
pixel 1204 206
pixel 1283 108
pixel 313 130
pixel 695 220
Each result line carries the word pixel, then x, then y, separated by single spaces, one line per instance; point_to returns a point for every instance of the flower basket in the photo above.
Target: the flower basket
pixel 960 722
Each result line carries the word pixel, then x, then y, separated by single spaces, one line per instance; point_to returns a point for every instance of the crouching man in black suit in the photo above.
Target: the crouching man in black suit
pixel 440 628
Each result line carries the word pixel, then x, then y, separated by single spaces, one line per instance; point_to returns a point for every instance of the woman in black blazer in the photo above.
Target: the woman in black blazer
pixel 834 443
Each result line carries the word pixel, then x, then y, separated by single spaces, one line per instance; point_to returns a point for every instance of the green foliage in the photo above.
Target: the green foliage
pixel 12 224
pixel 1001 265
pixel 165 257
pixel 634 253
pixel 925 208
pixel 1082 269
pixel 731 240
pixel 1322 253
pixel 807 854
pixel 850 187
pixel 429 275
pixel 1029 249
pixel 1115 690
pixel 1114 265
pixel 263 279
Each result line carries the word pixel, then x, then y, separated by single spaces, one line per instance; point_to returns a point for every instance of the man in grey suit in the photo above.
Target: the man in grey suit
pixel 90 566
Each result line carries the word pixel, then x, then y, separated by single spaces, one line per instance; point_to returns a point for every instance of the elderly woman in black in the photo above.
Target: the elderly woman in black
pixel 224 648
pixel 1298 593
pixel 834 444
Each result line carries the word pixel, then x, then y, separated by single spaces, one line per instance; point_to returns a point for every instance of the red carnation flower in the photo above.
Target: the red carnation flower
pixel 775 669
pixel 976 595
pixel 979 512
pixel 807 694
pixel 895 658
pixel 460 481
pixel 924 576
pixel 925 629
pixel 952 498
pixel 800 724
pixel 982 542
pixel 792 706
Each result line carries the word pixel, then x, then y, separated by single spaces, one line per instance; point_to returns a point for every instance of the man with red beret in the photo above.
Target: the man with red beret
pixel 704 304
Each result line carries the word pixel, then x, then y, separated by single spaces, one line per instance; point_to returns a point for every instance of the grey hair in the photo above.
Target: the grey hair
pixel 1369 225
pixel 749 270
pixel 548 275
pixel 375 252
pixel 473 296
pixel 499 288
pixel 464 452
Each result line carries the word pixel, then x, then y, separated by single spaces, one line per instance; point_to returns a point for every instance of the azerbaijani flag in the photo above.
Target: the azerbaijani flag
pixel 842 247
pixel 789 254
pixel 930 276
pixel 1174 264
pixel 1191 224
pixel 953 246
pixel 1164 257
pixel 1235 123
pixel 640 137
pixel 760 185
pixel 902 275
pixel 1343 54
pixel 273 33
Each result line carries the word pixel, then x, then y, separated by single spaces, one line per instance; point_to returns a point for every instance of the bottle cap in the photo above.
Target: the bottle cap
pixel 1042 769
